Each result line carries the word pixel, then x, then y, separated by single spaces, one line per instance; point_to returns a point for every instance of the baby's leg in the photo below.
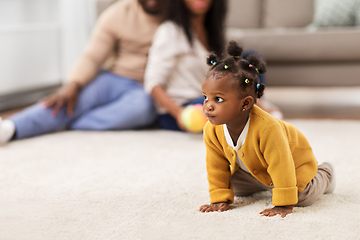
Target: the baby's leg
pixel 323 182
pixel 244 184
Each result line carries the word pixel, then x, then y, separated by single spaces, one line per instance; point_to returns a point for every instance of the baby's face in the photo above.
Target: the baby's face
pixel 222 100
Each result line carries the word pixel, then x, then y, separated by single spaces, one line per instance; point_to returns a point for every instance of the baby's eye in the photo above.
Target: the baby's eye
pixel 219 99
pixel 205 98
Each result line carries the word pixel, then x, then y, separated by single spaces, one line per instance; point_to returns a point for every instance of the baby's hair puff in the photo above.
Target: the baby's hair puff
pixel 233 49
pixel 212 60
pixel 245 71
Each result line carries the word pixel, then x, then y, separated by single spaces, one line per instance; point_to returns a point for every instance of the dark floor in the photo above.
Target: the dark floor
pixel 288 112
pixel 8 113
pixel 302 103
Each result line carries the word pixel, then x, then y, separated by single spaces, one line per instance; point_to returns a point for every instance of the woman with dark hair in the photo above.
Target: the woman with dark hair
pixel 184 13
pixel 176 67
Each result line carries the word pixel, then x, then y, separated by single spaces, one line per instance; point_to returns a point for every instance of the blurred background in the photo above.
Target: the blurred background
pixel 39 42
pixel 312 48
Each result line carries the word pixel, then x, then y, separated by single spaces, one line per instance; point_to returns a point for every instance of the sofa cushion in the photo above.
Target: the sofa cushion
pixel 287 13
pixel 301 45
pixel 335 13
pixel 244 13
pixel 313 74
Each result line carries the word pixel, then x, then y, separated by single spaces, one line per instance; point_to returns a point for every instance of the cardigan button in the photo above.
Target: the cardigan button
pixel 255 171
pixel 241 154
pixel 271 184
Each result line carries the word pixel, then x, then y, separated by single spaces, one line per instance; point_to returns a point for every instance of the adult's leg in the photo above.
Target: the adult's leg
pixel 199 100
pixel 35 120
pixel 244 184
pixel 132 109
pixel 320 184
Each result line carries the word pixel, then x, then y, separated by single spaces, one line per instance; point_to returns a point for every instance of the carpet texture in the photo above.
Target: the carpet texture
pixel 150 184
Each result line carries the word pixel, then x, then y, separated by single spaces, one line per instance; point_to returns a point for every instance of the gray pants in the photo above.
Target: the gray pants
pixel 244 184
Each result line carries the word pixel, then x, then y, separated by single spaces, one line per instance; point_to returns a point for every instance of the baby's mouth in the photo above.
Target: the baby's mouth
pixel 208 115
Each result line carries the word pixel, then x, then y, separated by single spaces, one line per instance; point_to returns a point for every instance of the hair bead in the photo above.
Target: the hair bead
pixel 246 81
pixel 226 66
pixel 257 70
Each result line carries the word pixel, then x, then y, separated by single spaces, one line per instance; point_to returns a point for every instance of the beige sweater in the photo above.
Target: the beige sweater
pixel 126 28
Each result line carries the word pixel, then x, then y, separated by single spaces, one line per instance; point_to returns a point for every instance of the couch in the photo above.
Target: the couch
pixel 296 55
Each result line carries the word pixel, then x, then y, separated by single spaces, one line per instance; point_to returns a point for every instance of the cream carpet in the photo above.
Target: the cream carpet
pixel 150 184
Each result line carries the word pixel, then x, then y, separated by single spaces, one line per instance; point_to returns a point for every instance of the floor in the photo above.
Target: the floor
pixel 89 185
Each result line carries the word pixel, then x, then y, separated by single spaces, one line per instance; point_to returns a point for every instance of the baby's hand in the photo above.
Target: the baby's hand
pixel 282 210
pixel 221 206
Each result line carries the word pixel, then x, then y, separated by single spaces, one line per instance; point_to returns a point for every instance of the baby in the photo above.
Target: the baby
pixel 247 149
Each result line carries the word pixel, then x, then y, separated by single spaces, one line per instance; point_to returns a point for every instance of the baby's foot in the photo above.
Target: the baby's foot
pixel 330 168
pixel 7 130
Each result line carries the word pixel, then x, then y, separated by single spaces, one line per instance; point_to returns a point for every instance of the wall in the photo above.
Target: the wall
pixel 39 42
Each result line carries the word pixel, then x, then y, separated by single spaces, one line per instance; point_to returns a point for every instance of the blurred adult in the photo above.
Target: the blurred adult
pixel 92 99
pixel 176 65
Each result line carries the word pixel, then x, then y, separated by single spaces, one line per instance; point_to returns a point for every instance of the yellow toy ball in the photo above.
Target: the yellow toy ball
pixel 194 118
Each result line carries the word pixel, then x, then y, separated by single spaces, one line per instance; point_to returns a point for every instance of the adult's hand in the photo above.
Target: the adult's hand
pixel 159 94
pixel 65 96
pixel 179 121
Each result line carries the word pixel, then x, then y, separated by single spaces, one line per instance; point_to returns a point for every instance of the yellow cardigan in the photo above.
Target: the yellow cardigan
pixel 275 152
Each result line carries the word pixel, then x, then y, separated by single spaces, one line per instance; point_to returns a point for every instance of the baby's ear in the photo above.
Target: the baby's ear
pixel 248 102
pixel 258 63
pixel 212 59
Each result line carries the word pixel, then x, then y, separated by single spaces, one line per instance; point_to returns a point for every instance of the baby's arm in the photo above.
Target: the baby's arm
pixel 282 210
pixel 220 207
pixel 218 173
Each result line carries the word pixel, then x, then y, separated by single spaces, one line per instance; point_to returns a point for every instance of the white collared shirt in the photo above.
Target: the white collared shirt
pixel 239 143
